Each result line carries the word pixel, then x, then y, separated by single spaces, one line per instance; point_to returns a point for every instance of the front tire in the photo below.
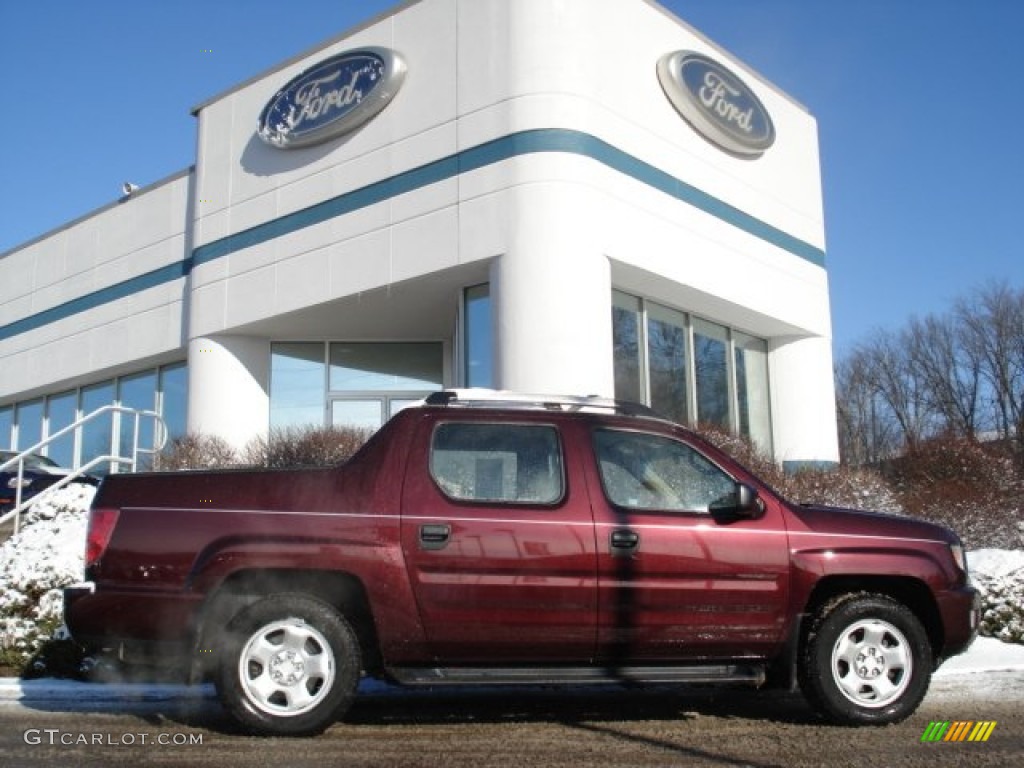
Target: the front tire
pixel 290 666
pixel 866 660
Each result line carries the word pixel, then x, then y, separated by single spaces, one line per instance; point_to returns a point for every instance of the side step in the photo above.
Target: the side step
pixel 747 674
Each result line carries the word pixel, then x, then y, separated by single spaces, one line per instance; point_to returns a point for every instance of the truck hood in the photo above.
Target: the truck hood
pixel 857 522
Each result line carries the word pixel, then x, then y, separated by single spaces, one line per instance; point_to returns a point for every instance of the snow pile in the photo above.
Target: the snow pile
pixel 46 555
pixel 999 575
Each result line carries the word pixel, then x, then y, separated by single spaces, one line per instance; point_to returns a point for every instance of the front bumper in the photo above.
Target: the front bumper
pixel 960 611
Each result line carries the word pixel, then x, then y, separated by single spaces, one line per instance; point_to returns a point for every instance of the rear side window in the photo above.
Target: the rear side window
pixel 508 463
pixel 642 471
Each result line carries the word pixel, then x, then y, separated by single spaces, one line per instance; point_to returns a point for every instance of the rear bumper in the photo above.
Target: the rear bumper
pixel 111 619
pixel 960 610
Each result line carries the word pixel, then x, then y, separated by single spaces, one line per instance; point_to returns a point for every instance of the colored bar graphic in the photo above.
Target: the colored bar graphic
pixel 935 730
pixel 982 731
pixel 958 730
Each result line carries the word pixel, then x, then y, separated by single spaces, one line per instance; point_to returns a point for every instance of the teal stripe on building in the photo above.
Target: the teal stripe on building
pixel 480 156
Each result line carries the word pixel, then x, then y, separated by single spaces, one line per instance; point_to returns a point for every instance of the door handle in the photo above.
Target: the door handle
pixel 624 542
pixel 434 536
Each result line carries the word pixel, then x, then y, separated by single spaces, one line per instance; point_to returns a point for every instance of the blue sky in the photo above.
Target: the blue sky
pixel 919 107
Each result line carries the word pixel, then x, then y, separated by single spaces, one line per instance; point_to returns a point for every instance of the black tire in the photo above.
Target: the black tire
pixel 289 667
pixel 866 661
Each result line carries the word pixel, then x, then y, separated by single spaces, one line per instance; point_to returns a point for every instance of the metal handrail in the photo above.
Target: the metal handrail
pixel 160 431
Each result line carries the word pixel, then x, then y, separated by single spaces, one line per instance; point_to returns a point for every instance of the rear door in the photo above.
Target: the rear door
pixel 678 582
pixel 499 541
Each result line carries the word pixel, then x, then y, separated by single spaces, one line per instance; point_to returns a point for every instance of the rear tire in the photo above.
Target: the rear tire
pixel 866 661
pixel 290 666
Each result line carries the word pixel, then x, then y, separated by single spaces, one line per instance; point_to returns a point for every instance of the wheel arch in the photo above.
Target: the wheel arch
pixel 907 590
pixel 341 590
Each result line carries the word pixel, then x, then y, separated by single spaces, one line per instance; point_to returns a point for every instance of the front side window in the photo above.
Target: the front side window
pixel 643 471
pixel 504 463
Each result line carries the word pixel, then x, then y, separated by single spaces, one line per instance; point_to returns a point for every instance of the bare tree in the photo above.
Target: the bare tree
pixel 896 381
pixel 949 371
pixel 867 431
pixel 992 319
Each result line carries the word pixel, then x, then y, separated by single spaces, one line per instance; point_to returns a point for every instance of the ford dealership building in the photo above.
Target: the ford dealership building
pixel 502 193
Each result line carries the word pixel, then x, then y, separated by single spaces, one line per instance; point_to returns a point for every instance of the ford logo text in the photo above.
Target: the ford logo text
pixel 331 98
pixel 716 103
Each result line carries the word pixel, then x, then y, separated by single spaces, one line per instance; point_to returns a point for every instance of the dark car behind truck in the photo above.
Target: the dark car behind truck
pixel 489 538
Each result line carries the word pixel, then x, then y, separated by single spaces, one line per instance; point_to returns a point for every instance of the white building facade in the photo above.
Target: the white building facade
pixel 504 193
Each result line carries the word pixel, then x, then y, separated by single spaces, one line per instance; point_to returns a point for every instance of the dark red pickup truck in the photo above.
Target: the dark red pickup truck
pixel 503 540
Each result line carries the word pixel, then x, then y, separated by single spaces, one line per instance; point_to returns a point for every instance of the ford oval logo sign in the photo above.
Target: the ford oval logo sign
pixel 332 98
pixel 716 103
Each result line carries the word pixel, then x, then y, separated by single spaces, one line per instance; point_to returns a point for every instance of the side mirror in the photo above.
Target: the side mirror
pixel 743 503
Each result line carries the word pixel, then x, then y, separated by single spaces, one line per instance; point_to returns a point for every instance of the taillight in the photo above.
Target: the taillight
pixel 101 527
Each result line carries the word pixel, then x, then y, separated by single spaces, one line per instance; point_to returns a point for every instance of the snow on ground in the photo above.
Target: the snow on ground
pixel 988 669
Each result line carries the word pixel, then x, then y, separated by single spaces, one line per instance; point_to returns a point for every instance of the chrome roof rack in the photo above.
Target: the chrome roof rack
pixel 500 398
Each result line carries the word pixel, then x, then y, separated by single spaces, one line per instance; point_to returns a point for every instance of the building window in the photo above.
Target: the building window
pixel 367 367
pixel 29 427
pixel 174 398
pixel 629 346
pixel 97 434
pixel 61 412
pixel 754 414
pixel 138 392
pixel 690 370
pixel 6 427
pixel 668 362
pixel 354 384
pixel 711 373
pixel 478 349
pixel 298 384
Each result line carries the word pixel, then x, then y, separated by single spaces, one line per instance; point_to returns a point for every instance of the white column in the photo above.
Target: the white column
pixel 228 387
pixel 551 296
pixel 803 400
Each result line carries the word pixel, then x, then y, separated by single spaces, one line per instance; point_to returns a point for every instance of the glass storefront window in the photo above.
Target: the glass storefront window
pixel 628 347
pixel 752 394
pixel 690 370
pixel 479 347
pixel 711 373
pixel 97 434
pixel 30 424
pixel 174 398
pixel 392 367
pixel 137 392
pixel 61 411
pixel 667 362
pixel 6 427
pixel 361 414
pixel 297 384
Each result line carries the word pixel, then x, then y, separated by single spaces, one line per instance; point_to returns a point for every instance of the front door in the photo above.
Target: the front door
pixel 500 545
pixel 678 582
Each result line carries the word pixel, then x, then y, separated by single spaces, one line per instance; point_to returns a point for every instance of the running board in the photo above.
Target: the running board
pixel 748 674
